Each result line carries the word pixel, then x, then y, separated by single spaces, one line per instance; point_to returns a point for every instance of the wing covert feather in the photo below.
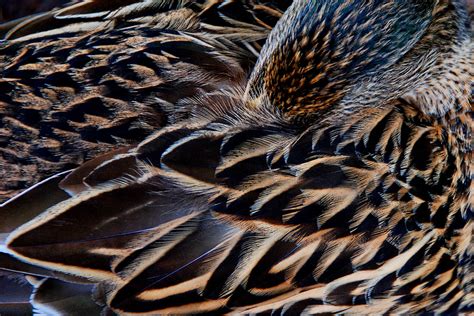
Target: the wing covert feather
pixel 225 227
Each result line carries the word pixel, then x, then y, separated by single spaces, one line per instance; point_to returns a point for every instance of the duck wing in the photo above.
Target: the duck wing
pixel 225 215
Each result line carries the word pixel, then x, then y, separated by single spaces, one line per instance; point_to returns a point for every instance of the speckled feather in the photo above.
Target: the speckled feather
pixel 359 204
pixel 86 79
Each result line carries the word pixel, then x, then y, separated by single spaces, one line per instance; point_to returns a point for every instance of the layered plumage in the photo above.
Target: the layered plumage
pixel 336 180
pixel 85 79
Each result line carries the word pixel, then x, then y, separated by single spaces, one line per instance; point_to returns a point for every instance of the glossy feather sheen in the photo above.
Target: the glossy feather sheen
pixel 245 207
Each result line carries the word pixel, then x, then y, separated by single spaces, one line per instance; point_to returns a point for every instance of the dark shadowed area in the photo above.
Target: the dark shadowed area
pixel 14 9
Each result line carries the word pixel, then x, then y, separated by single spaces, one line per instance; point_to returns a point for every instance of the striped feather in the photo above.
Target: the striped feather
pixel 364 207
pixel 227 242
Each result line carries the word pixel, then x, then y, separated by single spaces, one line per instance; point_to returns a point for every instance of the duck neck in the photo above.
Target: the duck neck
pixel 444 86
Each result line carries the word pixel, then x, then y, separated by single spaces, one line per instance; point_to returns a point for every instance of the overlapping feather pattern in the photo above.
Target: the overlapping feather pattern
pixel 364 206
pixel 86 79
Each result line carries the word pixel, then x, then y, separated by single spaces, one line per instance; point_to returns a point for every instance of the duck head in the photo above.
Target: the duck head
pixel 325 55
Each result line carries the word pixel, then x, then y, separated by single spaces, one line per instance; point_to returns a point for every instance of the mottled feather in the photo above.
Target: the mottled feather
pixel 357 204
pixel 83 80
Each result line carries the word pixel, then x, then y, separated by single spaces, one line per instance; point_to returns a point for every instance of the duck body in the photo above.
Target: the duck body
pixel 263 201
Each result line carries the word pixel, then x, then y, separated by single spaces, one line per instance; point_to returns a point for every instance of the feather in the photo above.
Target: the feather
pixel 94 76
pixel 358 203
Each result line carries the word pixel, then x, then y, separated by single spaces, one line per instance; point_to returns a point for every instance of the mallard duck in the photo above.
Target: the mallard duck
pixel 336 179
pixel 88 78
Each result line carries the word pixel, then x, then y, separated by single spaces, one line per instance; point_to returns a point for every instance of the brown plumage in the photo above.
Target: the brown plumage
pixel 86 79
pixel 355 200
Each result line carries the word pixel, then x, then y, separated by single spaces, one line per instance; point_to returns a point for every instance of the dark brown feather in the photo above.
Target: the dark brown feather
pixel 71 91
pixel 364 207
